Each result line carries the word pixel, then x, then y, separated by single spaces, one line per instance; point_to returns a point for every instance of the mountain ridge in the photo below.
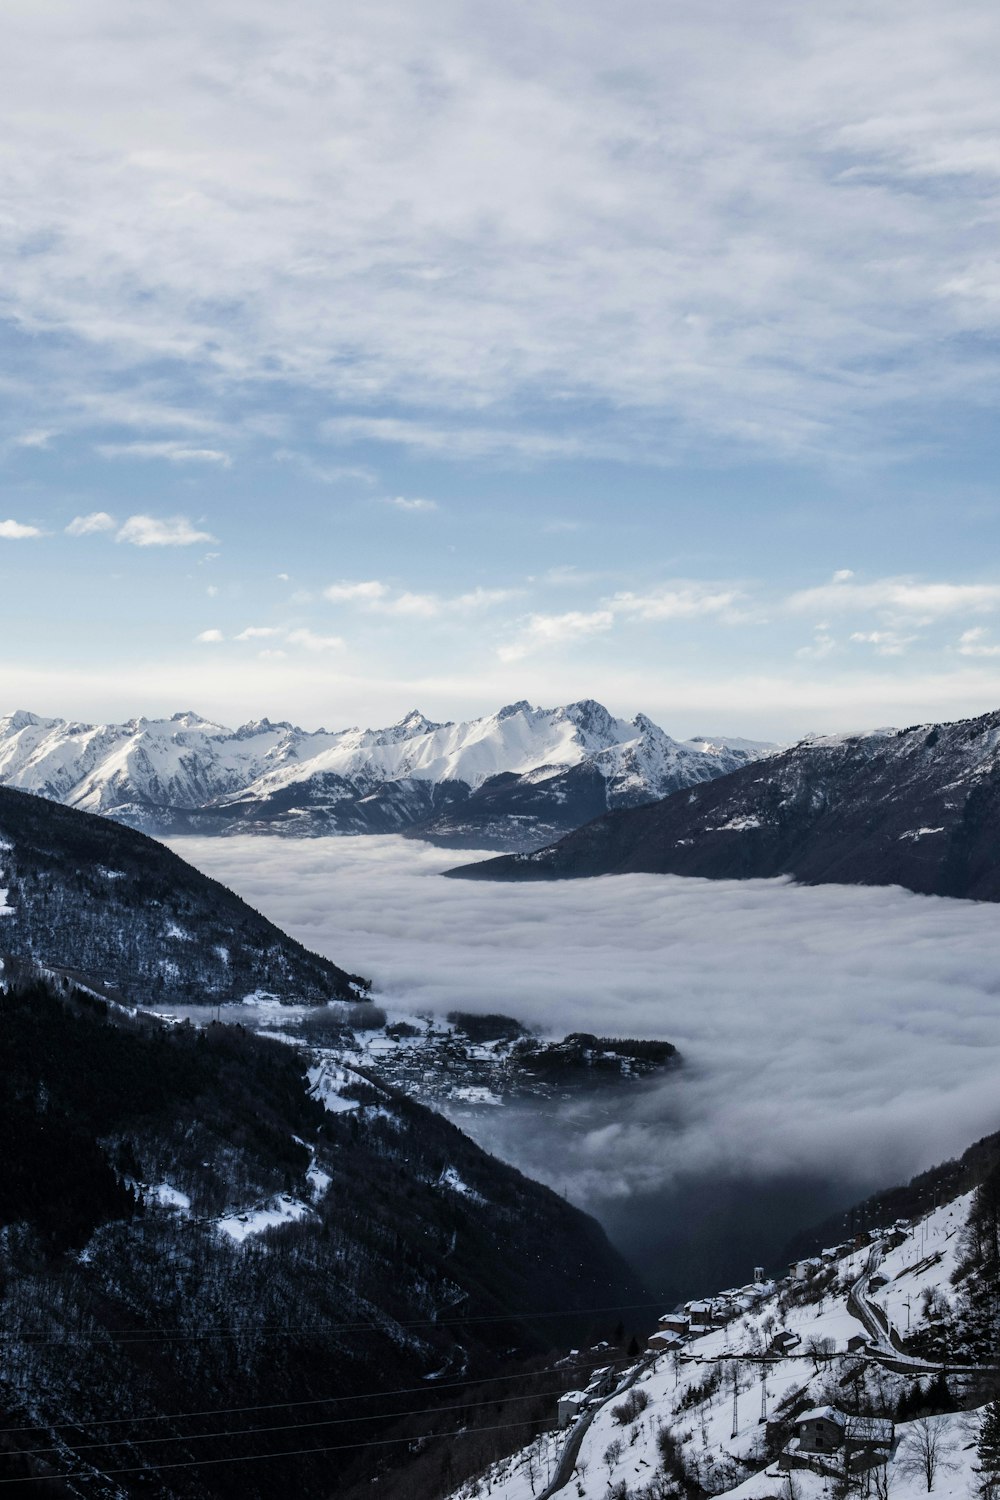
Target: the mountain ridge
pixel 917 807
pixel 513 777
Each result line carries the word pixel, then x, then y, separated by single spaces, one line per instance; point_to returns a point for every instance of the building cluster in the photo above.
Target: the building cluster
pixel 600 1385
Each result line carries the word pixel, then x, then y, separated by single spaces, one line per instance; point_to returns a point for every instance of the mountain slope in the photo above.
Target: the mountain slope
pixel 116 909
pixel 513 777
pixel 187 1227
pixel 917 807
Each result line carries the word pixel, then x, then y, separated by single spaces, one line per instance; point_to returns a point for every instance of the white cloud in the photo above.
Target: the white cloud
pixel 210 637
pixel 365 592
pixel 404 502
pixel 16 531
pixel 669 603
pixel 718 221
pixel 921 602
pixel 257 633
pixel 540 631
pixel 835 1031
pixel 886 642
pixel 170 531
pixel 976 642
pixel 173 452
pixel 325 473
pixel 96 521
pixel 36 437
pixel 822 645
pixel 310 641
pixel 461 442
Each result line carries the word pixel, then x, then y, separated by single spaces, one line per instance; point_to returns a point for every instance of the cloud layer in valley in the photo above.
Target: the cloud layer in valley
pixel 841 1033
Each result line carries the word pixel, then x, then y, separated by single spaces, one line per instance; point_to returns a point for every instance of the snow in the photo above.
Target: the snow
pixel 279 1210
pixel 169 1197
pixel 189 762
pixel 450 1179
pixel 720 1442
pixel 326 1081
pixel 919 833
pixel 6 910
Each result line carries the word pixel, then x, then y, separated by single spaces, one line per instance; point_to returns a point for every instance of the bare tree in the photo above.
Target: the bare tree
pixel 926 1449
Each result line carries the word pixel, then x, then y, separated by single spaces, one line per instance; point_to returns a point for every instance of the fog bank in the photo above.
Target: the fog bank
pixel 836 1035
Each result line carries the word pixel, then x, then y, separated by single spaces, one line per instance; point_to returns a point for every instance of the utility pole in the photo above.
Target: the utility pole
pixel 736 1399
pixel 763 1390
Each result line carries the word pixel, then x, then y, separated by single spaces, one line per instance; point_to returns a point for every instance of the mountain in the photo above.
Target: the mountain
pixel 226 1270
pixel 106 906
pixel 917 807
pixel 509 780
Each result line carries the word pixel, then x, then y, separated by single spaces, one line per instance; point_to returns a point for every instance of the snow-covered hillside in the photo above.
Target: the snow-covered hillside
pixel 724 1399
pixel 551 768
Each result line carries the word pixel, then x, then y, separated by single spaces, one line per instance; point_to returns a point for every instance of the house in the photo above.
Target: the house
pixel 570 1406
pixel 857 1442
pixel 820 1430
pixel 783 1342
pixel 602 1381
pixel 857 1342
pixel 675 1323
pixel 663 1341
pixel 801 1270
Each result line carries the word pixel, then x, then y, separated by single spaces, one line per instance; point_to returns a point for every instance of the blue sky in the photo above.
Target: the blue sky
pixel 376 355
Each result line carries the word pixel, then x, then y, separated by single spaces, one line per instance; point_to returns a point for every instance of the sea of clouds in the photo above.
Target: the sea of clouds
pixel 837 1038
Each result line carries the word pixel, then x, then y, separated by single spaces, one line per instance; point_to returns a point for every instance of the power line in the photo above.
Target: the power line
pixel 125 1336
pixel 195 1463
pixel 231 1411
pixel 201 1437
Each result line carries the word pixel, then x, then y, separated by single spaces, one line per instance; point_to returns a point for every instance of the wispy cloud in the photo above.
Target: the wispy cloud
pixel 683 603
pixel 173 452
pixel 917 600
pixel 976 642
pixel 539 631
pixel 377 597
pixel 257 633
pixel 309 640
pixel 17 531
pixel 414 503
pixel 153 531
pixel 210 637
pixel 322 473
pixel 89 525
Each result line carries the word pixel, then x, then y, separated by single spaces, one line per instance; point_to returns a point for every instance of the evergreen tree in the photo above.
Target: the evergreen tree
pixel 989 1450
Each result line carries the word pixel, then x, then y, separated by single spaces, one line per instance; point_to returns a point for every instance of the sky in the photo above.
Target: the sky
pixel 835 1039
pixel 374 356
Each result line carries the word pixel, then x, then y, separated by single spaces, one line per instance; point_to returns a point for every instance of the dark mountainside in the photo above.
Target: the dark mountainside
pixel 917 807
pixel 123 1306
pixel 116 910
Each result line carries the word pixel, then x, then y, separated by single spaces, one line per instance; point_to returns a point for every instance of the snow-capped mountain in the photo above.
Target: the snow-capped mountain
pixel 918 807
pixel 512 778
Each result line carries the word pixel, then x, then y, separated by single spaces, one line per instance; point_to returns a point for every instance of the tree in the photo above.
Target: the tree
pixel 988 1451
pixel 927 1448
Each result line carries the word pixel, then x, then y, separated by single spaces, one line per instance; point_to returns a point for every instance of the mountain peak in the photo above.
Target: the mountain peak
pixel 510 709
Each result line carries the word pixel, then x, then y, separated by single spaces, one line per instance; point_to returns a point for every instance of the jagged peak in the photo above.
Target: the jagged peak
pixel 23 718
pixel 510 709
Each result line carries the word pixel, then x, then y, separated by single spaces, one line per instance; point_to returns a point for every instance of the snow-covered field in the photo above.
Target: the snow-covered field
pixel 847 1032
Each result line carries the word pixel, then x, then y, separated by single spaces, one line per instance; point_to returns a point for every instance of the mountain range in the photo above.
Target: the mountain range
pixel 510 780
pixel 916 807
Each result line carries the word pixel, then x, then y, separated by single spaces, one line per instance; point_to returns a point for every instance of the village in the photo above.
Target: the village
pixel 803 1387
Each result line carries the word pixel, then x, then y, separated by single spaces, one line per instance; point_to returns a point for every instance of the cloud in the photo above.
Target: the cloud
pixel 540 631
pixel 36 437
pixel 976 642
pixel 459 442
pixel 377 598
pixel 173 452
pixel 97 520
pixel 844 1033
pixel 403 502
pixel 257 632
pixel 310 641
pixel 171 531
pixel 349 593
pixel 674 603
pixel 921 602
pixel 690 222
pixel 16 531
pixel 886 642
pixel 325 473
pixel 669 602
pixel 210 637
